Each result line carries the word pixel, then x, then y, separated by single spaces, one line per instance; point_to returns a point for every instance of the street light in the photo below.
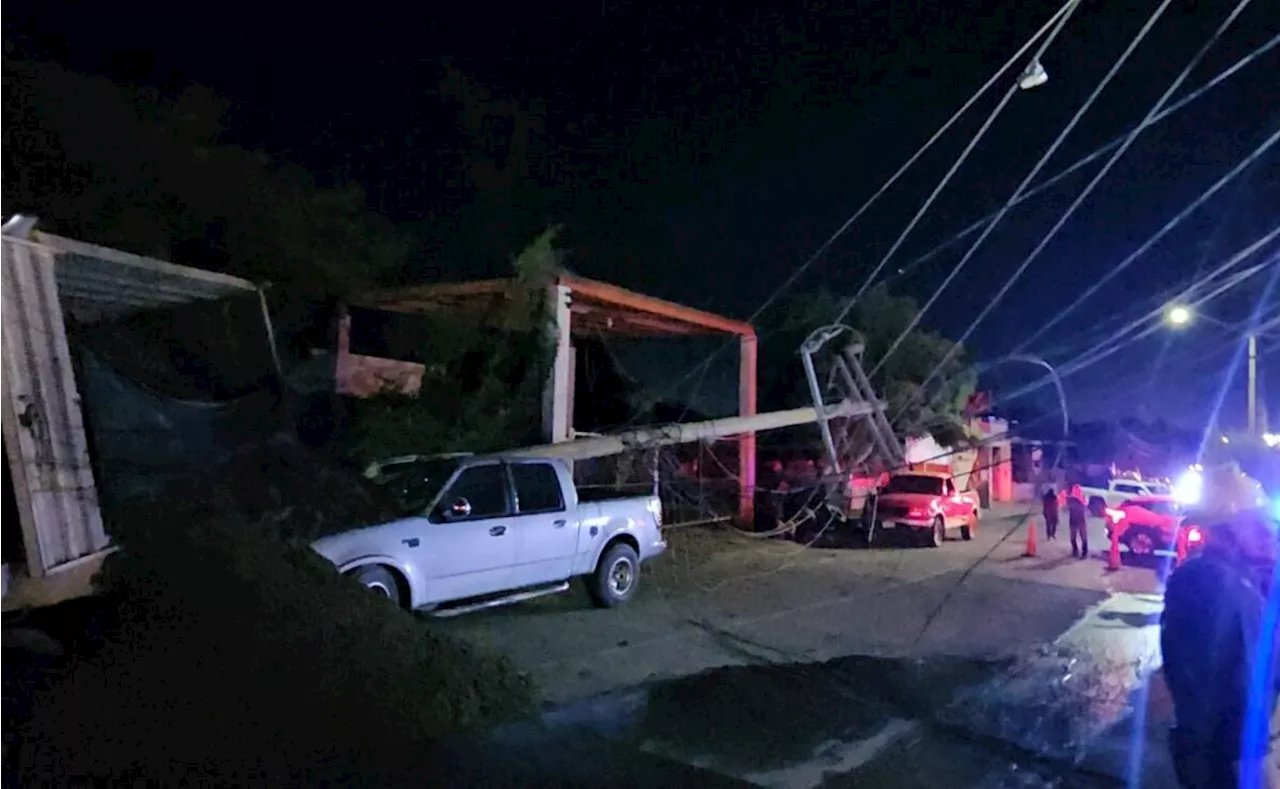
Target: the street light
pixel 1180 315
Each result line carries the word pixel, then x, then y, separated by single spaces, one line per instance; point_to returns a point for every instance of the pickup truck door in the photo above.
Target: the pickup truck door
pixel 472 538
pixel 546 523
pixel 954 506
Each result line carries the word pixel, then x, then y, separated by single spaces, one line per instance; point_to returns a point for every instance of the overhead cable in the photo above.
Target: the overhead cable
pixel 1014 198
pixel 960 160
pixel 1016 58
pixel 1133 135
pixel 1088 359
pixel 1062 175
pixel 1059 18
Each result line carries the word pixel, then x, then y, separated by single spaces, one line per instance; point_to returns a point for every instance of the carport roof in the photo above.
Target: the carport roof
pixel 99 282
pixel 596 307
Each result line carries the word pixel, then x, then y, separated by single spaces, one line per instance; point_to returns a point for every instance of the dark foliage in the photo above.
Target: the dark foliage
pixel 241 658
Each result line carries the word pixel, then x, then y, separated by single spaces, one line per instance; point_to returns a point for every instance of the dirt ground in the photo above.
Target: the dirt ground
pixel 722 599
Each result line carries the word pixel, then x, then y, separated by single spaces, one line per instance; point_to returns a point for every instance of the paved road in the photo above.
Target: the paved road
pixel 714 601
pixel 701 666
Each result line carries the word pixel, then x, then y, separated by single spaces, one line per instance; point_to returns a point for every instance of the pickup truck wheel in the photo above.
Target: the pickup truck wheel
pixel 380 581
pixel 1141 541
pixel 936 534
pixel 616 578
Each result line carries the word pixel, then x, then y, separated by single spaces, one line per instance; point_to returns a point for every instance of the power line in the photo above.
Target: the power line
pixel 1087 359
pixel 1168 226
pixel 1117 338
pixel 1120 338
pixel 1149 243
pixel 964 155
pixel 1062 175
pixel 701 368
pixel 1017 193
pixel 1097 178
pixel 1059 18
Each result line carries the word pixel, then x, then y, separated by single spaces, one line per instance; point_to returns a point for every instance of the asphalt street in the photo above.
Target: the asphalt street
pixel 1027 662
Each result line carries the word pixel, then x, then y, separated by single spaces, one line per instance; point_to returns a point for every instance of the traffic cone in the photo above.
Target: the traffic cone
pixel 1113 556
pixel 1031 538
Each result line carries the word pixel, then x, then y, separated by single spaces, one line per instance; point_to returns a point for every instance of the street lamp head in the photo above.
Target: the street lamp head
pixel 1178 315
pixel 1033 76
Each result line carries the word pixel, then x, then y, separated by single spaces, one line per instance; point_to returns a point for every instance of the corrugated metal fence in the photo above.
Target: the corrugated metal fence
pixel 44 432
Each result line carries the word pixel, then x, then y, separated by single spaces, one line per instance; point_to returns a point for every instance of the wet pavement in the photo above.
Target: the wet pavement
pixel 969 665
pixel 859 721
pixel 1057 716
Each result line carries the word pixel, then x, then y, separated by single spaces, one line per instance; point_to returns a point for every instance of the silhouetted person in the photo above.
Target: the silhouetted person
pixel 1078 522
pixel 1218 659
pixel 1050 502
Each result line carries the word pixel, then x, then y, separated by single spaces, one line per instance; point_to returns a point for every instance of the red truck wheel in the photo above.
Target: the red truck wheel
pixel 935 535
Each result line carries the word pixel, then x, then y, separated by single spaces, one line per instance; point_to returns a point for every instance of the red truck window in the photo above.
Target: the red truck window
pixel 914 483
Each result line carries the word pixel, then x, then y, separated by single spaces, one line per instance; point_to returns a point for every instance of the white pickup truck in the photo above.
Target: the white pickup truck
pixel 486 531
pixel 1119 491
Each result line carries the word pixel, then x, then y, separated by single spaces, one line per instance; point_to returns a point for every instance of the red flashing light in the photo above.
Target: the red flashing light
pixel 1194 535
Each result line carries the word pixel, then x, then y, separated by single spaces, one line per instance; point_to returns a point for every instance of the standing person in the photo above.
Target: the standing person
pixel 1078 522
pixel 1049 501
pixel 1219 659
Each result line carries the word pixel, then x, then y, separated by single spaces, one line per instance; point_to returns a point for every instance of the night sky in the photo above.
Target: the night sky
pixel 700 152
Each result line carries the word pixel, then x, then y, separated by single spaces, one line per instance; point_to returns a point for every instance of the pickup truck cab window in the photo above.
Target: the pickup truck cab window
pixel 482 487
pixel 537 488
pixel 914 483
pixel 415 483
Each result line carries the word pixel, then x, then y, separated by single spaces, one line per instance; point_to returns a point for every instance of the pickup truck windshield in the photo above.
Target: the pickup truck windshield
pixel 914 483
pixel 414 483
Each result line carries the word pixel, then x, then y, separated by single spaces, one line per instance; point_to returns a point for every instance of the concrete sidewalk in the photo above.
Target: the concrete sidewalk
pixel 1124 631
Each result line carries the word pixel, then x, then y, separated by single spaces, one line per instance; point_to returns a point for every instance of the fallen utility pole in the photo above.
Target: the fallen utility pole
pixel 689 432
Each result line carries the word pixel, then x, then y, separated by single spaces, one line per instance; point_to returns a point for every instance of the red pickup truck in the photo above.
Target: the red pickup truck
pixel 927 503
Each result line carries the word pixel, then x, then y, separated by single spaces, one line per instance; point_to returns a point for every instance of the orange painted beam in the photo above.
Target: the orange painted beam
pixel 621 297
pixel 747 371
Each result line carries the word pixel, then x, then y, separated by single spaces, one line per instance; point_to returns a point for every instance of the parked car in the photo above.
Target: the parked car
pixel 1146 524
pixel 486 531
pixel 928 504
pixel 1118 491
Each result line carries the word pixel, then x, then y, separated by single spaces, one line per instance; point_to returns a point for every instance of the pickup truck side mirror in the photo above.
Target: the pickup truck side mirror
pixel 458 510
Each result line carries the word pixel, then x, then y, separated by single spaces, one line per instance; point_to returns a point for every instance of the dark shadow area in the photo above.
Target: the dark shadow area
pixel 751 718
pixel 12 550
pixel 1134 619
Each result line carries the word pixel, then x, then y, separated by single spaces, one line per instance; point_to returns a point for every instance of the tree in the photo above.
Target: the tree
pixel 133 169
pixel 877 320
pixel 482 389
